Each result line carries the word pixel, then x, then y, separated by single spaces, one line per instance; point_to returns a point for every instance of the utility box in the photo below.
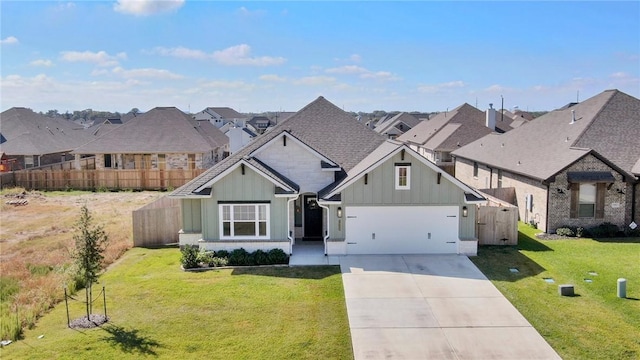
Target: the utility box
pixel 622 288
pixel 566 290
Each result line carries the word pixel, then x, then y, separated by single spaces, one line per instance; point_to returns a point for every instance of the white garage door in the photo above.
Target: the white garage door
pixel 401 229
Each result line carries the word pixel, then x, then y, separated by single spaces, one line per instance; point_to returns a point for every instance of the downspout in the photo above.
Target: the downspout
pixel 633 201
pixel 546 221
pixel 326 236
pixel 291 239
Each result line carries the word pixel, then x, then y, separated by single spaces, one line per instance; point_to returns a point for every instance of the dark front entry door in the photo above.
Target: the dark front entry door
pixel 312 219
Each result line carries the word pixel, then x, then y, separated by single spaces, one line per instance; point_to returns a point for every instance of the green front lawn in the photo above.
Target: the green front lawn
pixel 595 324
pixel 159 311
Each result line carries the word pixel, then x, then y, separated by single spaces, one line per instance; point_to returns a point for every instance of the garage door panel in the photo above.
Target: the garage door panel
pixel 401 229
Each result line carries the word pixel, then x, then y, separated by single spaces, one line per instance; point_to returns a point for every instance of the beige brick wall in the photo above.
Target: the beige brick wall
pixel 615 203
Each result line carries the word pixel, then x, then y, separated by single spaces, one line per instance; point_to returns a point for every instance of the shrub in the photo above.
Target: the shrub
pixel 189 258
pixel 222 254
pixel 205 257
pixel 565 231
pixel 261 257
pixel 219 261
pixel 240 257
pixel 8 287
pixel 277 256
pixel 581 232
pixel 604 230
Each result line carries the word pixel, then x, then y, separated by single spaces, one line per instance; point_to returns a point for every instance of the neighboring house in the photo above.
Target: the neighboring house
pixel 219 116
pixel 575 166
pixel 321 175
pixel 436 138
pixel 260 123
pixel 31 139
pixel 394 126
pixel 163 138
pixel 239 137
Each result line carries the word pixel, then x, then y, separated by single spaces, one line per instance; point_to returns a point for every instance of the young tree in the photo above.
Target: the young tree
pixel 91 242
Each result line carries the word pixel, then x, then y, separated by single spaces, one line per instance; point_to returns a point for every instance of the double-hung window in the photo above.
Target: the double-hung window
pixel 403 177
pixel 246 221
pixel 587 201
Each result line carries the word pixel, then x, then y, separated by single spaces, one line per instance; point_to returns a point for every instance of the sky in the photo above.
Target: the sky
pixel 279 56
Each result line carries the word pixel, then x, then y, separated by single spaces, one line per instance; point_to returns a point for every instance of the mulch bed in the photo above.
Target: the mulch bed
pixel 93 321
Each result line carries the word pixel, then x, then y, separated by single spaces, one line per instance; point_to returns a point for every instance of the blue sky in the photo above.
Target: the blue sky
pixel 362 56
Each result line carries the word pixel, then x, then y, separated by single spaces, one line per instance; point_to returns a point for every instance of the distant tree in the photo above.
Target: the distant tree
pixel 52 113
pixel 90 242
pixel 134 111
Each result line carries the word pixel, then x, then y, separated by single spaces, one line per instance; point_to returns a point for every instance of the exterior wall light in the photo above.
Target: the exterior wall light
pixel 339 212
pixel 465 211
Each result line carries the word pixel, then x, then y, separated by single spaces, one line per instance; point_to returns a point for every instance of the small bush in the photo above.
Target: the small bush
pixel 277 256
pixel 628 232
pixel 604 230
pixel 581 232
pixel 206 257
pixel 189 259
pixel 240 257
pixel 261 257
pixel 219 261
pixel 222 254
pixel 565 231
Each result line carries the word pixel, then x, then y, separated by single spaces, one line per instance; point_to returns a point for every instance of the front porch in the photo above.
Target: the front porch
pixel 311 253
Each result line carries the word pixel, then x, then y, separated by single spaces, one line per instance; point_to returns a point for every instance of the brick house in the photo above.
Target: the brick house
pixel 575 166
pixel 162 138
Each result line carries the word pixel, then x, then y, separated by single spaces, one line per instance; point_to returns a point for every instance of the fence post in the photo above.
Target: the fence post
pixel 66 303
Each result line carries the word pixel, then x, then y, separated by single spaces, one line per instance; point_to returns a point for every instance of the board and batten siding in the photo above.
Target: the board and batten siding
pixel 424 191
pixel 191 216
pixel 248 187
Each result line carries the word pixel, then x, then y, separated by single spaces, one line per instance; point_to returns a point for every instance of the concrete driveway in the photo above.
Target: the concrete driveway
pixel 432 307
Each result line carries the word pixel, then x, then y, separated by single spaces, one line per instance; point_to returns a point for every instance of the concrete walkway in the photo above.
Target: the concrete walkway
pixel 432 307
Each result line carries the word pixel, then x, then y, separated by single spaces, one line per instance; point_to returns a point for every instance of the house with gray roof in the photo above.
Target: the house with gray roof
pixel 394 126
pixel 322 177
pixel 219 116
pixel 162 138
pixel 31 139
pixel 447 131
pixel 576 166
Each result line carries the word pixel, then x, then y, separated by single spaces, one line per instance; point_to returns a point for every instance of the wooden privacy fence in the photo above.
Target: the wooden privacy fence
pixel 157 223
pixel 112 179
pixel 497 222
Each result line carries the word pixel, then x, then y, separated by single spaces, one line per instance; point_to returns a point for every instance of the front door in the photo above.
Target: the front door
pixel 312 218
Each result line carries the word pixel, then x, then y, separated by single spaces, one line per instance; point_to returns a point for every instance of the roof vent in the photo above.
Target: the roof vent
pixel 573 117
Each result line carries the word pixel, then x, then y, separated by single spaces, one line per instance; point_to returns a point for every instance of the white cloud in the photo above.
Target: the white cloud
pixel 41 62
pixel 100 58
pixel 234 55
pixel 315 80
pixel 223 84
pixel 272 78
pixel 241 55
pixel 147 7
pixel 363 73
pixel 146 73
pixel 178 52
pixel 355 58
pixel 442 87
pixel 9 40
pixel 347 69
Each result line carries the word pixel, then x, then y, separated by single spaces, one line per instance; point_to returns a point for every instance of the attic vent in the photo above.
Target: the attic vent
pixel 284 141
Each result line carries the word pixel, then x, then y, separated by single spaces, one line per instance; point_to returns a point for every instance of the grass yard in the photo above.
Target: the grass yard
pixel 595 324
pixel 159 311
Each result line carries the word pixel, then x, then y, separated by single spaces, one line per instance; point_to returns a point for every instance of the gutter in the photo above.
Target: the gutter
pixel 291 239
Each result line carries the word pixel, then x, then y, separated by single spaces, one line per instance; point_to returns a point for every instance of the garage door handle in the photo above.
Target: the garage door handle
pixel 451 242
pixel 351 243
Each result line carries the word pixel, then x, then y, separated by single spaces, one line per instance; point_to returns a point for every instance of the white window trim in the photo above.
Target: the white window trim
pixel 397 177
pixel 244 237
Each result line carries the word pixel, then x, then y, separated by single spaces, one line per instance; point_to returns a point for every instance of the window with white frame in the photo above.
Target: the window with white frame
pixel 587 201
pixel 247 221
pixel 403 177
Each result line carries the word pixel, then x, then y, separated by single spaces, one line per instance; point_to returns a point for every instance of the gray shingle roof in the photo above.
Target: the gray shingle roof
pixel 161 130
pixel 321 125
pixel 608 123
pixel 226 113
pixel 28 133
pixel 403 117
pixel 449 130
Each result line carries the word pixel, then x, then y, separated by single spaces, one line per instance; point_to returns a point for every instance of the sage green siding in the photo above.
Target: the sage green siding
pixel 424 191
pixel 248 187
pixel 191 216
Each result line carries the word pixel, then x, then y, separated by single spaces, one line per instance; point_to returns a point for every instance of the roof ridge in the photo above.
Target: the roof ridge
pixel 611 94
